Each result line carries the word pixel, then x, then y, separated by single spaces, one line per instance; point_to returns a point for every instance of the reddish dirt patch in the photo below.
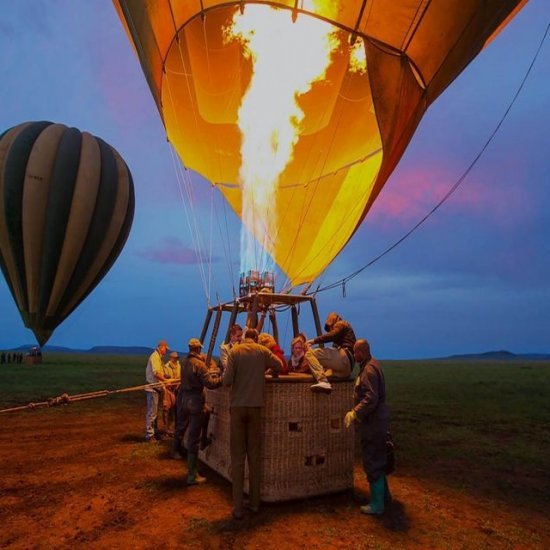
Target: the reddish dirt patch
pixel 80 475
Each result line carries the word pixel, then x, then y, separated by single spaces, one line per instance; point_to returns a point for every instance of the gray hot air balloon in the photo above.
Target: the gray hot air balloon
pixel 66 208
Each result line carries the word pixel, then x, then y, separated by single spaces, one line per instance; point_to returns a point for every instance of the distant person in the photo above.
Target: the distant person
pixel 245 373
pixel 154 373
pixel 371 417
pixel 171 370
pixel 2 358
pixel 195 376
pixel 336 361
pixel 235 336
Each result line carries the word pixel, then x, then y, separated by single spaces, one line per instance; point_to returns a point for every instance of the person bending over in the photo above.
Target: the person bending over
pixel 336 361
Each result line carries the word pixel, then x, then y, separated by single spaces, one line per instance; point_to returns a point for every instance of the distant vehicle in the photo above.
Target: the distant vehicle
pixel 33 356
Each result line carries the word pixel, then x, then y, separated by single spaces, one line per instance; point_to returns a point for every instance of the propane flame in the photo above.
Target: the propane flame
pixel 358 58
pixel 287 58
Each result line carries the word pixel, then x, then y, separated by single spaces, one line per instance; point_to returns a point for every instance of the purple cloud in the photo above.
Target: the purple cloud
pixel 172 251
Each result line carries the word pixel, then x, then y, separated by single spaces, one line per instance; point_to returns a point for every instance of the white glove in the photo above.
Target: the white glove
pixel 350 417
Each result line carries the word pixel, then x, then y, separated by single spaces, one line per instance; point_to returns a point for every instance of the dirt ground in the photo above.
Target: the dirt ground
pixel 80 475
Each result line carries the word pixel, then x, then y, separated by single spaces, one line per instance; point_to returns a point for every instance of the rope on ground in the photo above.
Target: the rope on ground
pixel 66 399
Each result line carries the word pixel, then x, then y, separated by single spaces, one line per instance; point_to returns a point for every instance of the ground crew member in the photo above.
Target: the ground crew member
pixel 370 415
pixel 245 373
pixel 154 374
pixel 195 376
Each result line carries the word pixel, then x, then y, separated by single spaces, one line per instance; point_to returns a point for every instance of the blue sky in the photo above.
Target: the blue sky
pixel 474 277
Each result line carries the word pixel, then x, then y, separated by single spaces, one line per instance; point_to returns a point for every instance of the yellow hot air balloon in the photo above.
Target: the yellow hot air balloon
pixel 300 110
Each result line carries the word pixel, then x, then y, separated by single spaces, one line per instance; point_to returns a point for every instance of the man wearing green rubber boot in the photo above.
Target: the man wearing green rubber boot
pixel 195 376
pixel 370 416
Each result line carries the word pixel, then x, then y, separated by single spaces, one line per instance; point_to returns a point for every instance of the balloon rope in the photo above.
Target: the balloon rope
pixel 211 240
pixel 343 281
pixel 65 399
pixel 206 280
pixel 197 230
pixel 181 178
pixel 184 180
pixel 226 243
pixel 200 266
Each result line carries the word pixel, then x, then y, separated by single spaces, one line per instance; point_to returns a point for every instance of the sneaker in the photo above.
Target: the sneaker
pixel 198 479
pixel 324 387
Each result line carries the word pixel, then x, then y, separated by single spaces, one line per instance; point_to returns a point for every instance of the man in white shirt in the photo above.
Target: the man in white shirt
pixel 153 374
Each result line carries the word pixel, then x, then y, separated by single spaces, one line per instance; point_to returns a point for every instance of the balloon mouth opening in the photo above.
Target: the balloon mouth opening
pixel 42 336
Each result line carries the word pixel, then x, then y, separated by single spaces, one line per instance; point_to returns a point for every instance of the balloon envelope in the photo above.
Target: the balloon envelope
pixel 66 208
pixel 356 124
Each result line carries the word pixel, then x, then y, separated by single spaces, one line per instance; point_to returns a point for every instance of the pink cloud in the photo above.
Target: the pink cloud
pixel 172 251
pixel 488 193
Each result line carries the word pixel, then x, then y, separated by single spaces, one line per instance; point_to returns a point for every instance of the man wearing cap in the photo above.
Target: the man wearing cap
pixel 154 374
pixel 171 370
pixel 195 376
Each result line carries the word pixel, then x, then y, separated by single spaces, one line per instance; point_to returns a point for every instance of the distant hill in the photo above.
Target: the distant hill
pixel 500 355
pixel 107 350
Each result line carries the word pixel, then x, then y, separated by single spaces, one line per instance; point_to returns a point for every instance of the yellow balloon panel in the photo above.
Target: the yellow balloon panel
pixel 310 234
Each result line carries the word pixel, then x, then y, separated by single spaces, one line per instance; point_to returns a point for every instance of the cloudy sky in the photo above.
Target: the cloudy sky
pixel 475 277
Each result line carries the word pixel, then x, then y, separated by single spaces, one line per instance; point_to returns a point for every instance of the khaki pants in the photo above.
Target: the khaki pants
pixel 246 434
pixel 322 359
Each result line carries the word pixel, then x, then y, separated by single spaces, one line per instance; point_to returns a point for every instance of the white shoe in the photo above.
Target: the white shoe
pixel 324 387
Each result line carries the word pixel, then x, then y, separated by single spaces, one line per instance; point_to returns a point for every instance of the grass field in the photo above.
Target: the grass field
pixel 480 427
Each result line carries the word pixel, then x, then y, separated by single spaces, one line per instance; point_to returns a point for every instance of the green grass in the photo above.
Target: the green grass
pixel 481 424
pixel 68 373
pixel 474 425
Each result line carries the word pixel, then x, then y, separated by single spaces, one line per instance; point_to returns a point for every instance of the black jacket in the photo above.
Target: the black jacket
pixel 340 333
pixel 195 375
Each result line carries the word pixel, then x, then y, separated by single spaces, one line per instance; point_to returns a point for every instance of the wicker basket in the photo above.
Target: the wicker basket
pixel 306 450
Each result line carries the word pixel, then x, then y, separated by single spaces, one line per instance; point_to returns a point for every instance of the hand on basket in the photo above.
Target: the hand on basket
pixel 350 417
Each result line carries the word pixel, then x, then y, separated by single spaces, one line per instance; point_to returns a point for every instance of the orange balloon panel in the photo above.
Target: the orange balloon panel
pixel 355 126
pixel 335 160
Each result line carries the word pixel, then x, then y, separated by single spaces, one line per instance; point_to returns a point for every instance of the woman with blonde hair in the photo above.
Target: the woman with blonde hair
pixel 298 362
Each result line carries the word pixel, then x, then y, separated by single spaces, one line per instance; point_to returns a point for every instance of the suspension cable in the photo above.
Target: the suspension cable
pixel 342 282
